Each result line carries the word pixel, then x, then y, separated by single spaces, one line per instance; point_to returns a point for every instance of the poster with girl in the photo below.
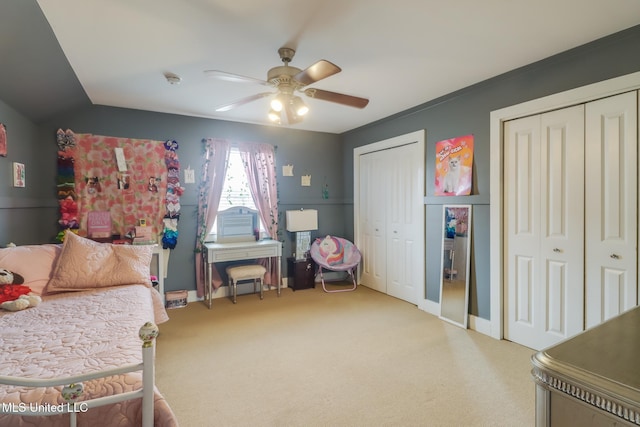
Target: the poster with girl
pixel 454 162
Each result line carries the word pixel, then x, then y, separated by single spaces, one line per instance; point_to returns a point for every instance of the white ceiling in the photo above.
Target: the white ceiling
pixel 399 54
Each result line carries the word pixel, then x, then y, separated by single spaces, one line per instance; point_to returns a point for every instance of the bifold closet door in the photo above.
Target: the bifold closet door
pixel 390 199
pixel 372 217
pixel 611 207
pixel 544 229
pixel 404 209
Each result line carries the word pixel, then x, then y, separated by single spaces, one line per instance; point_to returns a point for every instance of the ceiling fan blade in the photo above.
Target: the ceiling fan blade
pixel 242 101
pixel 318 71
pixel 236 78
pixel 339 98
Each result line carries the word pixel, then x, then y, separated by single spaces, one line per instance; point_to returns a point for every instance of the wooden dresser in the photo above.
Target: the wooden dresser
pixel 592 379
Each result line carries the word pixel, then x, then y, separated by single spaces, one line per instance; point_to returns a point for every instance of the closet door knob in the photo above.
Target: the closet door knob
pixel 557 250
pixel 615 256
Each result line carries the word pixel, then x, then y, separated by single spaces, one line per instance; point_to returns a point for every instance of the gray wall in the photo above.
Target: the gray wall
pixel 29 215
pixel 317 154
pixel 467 112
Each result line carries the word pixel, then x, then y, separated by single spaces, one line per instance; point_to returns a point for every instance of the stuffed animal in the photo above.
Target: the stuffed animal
pixel 13 295
pixel 22 302
pixel 9 278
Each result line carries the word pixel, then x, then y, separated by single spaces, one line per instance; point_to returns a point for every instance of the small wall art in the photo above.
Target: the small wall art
pixel 287 170
pixel 18 175
pixel 3 140
pixel 189 175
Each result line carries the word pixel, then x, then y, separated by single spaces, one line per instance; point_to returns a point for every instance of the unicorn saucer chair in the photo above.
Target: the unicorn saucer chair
pixel 336 254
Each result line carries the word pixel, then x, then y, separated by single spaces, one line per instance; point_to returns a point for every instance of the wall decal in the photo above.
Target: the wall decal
pixel 18 175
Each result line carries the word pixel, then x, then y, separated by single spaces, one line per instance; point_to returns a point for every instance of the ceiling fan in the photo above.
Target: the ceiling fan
pixel 288 81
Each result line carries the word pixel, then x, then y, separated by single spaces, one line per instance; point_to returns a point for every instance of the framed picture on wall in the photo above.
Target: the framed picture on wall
pixel 3 140
pixel 18 175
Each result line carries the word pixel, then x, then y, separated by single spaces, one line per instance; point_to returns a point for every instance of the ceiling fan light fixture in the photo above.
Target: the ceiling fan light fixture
pixel 274 116
pixel 277 104
pixel 299 107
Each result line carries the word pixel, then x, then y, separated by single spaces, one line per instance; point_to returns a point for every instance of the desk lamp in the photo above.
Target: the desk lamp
pixel 302 222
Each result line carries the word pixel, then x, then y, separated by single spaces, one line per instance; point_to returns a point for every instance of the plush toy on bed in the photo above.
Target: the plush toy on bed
pixel 13 295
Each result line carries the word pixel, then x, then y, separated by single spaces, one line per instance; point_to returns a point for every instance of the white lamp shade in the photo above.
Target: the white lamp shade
pixel 302 220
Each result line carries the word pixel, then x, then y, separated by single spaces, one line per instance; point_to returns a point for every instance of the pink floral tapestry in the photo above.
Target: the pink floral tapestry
pixel 103 184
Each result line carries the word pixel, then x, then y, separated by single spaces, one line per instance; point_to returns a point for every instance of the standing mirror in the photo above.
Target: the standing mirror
pixel 454 271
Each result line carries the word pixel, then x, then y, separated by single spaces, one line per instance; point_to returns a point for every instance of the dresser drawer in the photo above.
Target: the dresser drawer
pixel 239 254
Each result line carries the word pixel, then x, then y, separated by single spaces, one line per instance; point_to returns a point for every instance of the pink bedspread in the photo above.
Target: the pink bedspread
pixel 74 333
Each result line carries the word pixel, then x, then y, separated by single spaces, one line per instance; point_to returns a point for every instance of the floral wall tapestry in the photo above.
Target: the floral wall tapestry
pixel 127 177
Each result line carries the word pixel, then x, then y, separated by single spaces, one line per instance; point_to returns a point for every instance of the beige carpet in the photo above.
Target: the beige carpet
pixel 356 358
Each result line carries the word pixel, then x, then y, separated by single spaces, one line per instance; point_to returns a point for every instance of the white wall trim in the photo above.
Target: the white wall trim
pixel 479 324
pixel 497 118
pixel 398 141
pixel 430 307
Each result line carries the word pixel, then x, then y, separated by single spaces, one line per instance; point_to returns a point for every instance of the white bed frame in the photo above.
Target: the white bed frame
pixel 148 333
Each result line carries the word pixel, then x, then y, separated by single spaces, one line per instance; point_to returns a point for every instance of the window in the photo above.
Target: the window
pixel 236 191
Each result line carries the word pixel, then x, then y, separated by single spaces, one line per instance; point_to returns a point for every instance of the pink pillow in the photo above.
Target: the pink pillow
pixel 33 262
pixel 84 264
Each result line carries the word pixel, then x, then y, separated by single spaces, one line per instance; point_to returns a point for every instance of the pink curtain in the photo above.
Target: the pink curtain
pixel 260 166
pixel 214 170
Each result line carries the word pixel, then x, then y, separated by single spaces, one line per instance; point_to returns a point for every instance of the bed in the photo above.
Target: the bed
pixel 83 335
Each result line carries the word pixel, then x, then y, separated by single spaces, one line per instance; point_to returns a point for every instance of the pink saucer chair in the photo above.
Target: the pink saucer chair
pixel 336 254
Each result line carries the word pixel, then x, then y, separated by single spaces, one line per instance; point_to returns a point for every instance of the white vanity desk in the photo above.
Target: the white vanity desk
pixel 238 251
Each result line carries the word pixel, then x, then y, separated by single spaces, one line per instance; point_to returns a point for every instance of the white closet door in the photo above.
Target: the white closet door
pixel 562 223
pixel 373 221
pixel 611 207
pixel 544 252
pixel 403 201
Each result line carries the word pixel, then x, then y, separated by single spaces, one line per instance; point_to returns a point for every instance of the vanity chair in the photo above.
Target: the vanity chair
pixel 240 273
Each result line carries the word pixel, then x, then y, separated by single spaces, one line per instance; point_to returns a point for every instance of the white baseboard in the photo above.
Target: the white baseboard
pixel 481 325
pixel 430 307
pixel 476 323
